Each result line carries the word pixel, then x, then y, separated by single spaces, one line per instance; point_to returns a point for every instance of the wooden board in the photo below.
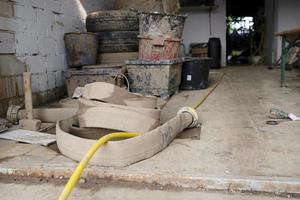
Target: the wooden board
pixel 295 31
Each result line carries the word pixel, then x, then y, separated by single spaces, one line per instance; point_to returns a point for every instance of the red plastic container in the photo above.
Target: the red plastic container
pixel 157 48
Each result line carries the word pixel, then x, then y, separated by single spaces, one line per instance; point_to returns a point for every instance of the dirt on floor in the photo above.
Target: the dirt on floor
pixel 236 150
pixel 39 188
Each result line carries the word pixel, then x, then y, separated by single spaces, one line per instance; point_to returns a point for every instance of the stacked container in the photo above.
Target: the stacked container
pixel 99 54
pixel 158 69
pixel 117 32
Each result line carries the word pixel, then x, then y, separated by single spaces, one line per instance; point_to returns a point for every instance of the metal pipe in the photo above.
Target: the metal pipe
pixel 15 114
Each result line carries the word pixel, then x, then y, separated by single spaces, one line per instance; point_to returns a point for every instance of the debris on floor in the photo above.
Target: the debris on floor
pixel 108 108
pixel 279 114
pixel 30 137
pixel 3 125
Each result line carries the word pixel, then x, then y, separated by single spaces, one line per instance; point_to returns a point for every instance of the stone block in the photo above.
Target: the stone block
pixel 7 42
pixel 6 8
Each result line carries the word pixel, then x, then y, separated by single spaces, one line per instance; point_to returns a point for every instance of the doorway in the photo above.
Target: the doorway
pixel 245 32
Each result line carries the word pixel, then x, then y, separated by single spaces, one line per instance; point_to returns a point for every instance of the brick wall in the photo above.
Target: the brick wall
pixel 31 39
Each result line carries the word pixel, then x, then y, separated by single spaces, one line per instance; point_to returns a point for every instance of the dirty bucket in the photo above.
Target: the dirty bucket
pixel 168 25
pixel 159 78
pixel 81 48
pixel 158 48
pixel 89 74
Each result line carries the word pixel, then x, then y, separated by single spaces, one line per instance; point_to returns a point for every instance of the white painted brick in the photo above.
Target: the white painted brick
pixel 45 16
pixel 47 46
pixel 60 46
pixel 23 25
pixel 39 82
pixel 67 21
pixel 10 24
pixel 26 44
pixel 36 64
pixel 53 63
pixel 63 59
pixel 7 42
pixel 33 3
pixel 51 80
pixel 59 79
pixel 56 32
pixel 43 82
pixel 34 27
pixel 77 24
pixel 38 3
pixel 35 83
pixel 54 5
pixel 25 12
pixel 70 7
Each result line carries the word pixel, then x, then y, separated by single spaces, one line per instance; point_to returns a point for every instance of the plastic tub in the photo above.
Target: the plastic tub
pixel 195 72
pixel 158 78
pixel 158 48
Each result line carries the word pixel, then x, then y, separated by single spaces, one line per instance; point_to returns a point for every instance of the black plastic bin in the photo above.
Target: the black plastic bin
pixel 195 72
pixel 214 52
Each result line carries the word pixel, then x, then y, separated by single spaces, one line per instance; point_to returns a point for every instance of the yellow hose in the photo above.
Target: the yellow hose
pixel 199 103
pixel 79 169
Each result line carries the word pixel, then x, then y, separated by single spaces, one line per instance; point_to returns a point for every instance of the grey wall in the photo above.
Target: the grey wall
pixel 95 5
pixel 197 26
pixel 287 16
pixel 31 39
pixel 270 47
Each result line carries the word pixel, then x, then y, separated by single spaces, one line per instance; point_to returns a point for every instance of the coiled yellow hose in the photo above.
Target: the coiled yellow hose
pixel 78 171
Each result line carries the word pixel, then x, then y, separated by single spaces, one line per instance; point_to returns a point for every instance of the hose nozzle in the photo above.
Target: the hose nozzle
pixel 193 113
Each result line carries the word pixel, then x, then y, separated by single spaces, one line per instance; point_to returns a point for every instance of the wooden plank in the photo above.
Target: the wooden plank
pixel 295 31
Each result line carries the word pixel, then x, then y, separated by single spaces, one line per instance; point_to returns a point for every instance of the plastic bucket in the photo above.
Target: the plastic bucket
pixel 168 25
pixel 81 48
pixel 158 48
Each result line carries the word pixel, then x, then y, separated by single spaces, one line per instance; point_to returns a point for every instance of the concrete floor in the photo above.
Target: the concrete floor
pixel 237 150
pixel 51 191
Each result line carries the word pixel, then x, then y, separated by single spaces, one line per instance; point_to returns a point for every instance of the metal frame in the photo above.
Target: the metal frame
pixel 285 47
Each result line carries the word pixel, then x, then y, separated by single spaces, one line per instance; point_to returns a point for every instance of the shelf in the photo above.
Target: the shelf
pixel 198 8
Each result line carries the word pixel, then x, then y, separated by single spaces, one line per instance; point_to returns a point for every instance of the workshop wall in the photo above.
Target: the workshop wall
pixel 286 17
pixel 197 26
pixel 31 39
